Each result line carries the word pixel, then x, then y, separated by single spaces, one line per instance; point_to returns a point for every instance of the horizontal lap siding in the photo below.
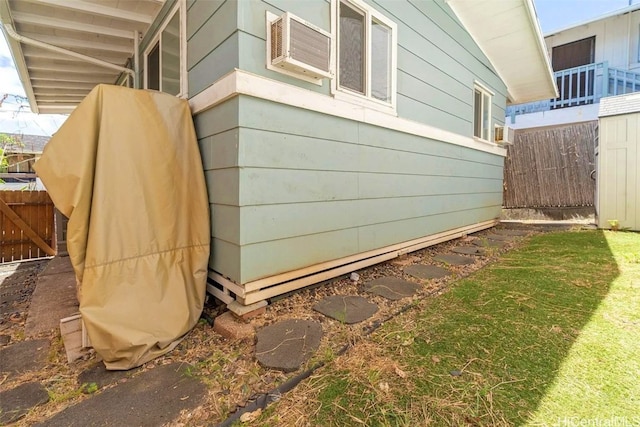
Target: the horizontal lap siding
pixel 438 61
pixel 217 130
pixel 212 42
pixel 315 187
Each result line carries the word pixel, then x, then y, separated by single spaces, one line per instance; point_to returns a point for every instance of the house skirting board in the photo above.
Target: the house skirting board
pixel 262 289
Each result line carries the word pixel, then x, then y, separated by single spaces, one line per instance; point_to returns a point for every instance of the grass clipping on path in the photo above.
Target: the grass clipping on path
pixel 549 333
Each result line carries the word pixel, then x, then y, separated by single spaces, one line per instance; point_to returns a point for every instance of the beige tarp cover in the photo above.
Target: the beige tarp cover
pixel 126 170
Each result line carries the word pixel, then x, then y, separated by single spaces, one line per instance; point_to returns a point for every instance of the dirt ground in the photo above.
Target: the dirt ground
pixel 227 367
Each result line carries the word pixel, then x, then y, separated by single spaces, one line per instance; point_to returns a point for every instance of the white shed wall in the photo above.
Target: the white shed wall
pixel 618 175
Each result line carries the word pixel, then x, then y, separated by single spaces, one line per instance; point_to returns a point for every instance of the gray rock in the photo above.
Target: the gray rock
pixel 453 259
pixel 487 243
pixel 15 403
pixel 100 376
pixel 23 356
pixel 500 237
pixel 426 272
pixel 509 232
pixel 346 308
pixel 288 344
pixel 468 250
pixel 392 288
pixel 152 398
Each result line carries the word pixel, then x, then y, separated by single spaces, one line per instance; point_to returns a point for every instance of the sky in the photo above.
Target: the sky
pixel 15 116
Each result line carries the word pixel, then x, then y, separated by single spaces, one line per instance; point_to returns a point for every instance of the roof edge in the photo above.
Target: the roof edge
pixel 18 57
pixel 623 11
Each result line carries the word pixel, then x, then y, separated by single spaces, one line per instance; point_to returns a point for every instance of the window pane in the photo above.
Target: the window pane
pixel 171 56
pixel 477 114
pixel 380 61
pixel 352 49
pixel 153 68
pixel 486 109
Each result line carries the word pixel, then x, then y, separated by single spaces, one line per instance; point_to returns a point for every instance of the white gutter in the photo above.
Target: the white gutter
pixel 628 9
pixel 37 43
pixel 542 46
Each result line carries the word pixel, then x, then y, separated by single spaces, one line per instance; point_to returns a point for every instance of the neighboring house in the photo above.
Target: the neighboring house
pixel 591 60
pixel 375 135
pixel 20 155
pixel 551 166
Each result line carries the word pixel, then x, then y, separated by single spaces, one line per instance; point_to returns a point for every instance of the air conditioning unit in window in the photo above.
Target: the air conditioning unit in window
pixel 300 47
pixel 503 134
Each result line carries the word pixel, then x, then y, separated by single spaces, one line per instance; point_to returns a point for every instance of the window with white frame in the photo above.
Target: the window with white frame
pixel 165 57
pixel 366 50
pixel 482 113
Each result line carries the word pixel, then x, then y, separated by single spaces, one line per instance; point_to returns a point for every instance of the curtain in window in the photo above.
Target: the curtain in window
pixel 352 49
pixel 153 68
pixel 477 114
pixel 380 61
pixel 171 56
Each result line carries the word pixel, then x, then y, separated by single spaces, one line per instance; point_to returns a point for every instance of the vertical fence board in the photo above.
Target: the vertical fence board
pixel 551 167
pixel 35 208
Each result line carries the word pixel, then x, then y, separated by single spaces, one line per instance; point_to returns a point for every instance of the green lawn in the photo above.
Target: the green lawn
pixel 548 335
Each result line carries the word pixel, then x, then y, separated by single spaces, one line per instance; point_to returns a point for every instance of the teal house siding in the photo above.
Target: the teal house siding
pixel 292 188
pixel 315 187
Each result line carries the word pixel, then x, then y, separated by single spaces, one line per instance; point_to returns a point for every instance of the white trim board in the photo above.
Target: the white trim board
pixel 268 287
pixel 239 82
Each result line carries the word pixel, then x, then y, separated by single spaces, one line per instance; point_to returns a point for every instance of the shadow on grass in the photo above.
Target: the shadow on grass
pixel 487 351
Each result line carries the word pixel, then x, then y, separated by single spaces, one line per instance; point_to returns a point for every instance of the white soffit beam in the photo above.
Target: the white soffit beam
pixel 93 80
pixel 61 68
pixel 81 44
pixel 65 24
pixel 98 9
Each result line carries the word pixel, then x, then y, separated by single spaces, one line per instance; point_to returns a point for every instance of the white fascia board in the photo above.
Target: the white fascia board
pixel 18 57
pixel 542 46
pixel 240 82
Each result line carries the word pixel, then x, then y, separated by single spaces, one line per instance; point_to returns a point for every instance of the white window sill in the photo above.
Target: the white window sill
pixel 485 141
pixel 363 101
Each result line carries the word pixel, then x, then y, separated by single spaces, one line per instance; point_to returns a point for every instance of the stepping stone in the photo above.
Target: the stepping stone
pixel 453 259
pixel 392 288
pixel 58 265
pixel 468 250
pixel 152 398
pixel 509 232
pixel 55 298
pixel 487 243
pixel 100 376
pixel 426 272
pixel 500 237
pixel 346 308
pixel 15 403
pixel 288 344
pixel 404 260
pixel 24 356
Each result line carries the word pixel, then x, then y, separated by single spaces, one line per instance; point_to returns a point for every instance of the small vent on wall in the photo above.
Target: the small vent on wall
pixel 300 47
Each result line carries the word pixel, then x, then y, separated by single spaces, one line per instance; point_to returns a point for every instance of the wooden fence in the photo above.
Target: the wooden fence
pixel 26 225
pixel 551 167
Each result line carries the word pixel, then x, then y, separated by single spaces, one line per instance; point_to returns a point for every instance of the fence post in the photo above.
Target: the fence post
pixel 605 79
